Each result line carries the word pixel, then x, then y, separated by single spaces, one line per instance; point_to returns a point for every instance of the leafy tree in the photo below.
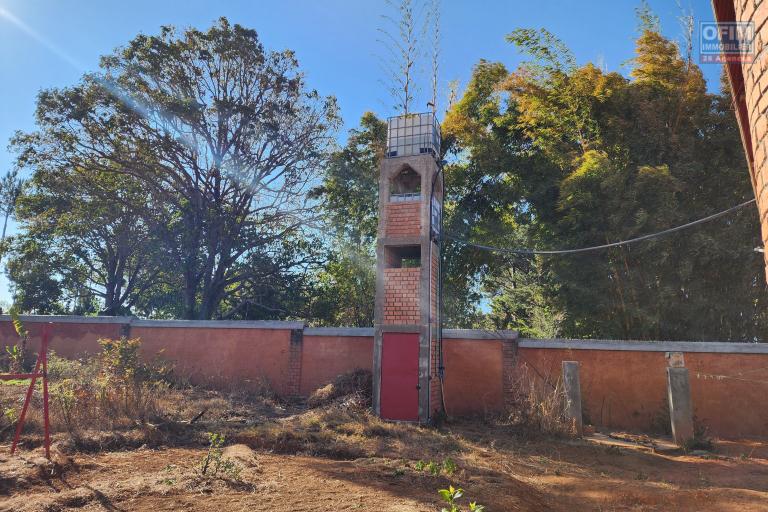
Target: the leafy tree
pixel 560 155
pixel 100 248
pixel 350 188
pixel 279 275
pixel 343 294
pixel 11 186
pixel 650 161
pixel 34 287
pixel 223 136
pixel 520 300
pixel 342 291
pixel 485 201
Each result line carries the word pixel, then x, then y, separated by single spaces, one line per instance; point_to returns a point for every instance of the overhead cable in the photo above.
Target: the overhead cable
pixel 598 247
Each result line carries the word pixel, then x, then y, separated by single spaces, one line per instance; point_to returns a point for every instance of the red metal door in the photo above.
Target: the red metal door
pixel 400 376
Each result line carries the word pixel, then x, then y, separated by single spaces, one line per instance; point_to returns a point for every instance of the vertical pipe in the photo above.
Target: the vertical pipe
pixel 44 355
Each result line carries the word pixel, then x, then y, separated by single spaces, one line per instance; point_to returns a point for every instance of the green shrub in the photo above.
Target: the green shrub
pixel 449 467
pixel 15 356
pixel 451 497
pixel 213 462
pixel 60 368
pixel 64 400
pixel 111 389
pixel 18 358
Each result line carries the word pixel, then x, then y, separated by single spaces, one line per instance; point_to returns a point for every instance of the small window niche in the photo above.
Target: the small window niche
pixel 406 256
pixel 406 186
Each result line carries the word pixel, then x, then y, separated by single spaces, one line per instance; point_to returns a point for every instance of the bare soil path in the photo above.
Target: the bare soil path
pixel 503 475
pixel 335 455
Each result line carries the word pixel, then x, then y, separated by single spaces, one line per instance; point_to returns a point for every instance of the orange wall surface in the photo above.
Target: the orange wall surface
pixel 69 340
pixel 227 358
pixel 624 389
pixel 727 406
pixel 473 376
pixel 628 389
pixel 323 358
pixel 618 389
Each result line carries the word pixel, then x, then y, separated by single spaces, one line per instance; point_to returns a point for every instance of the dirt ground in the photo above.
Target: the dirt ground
pixel 503 474
pixel 339 457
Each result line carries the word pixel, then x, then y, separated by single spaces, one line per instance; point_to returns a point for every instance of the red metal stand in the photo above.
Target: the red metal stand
pixel 42 361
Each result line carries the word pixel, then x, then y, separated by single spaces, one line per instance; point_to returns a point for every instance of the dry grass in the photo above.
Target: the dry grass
pixel 340 425
pixel 357 384
pixel 112 390
pixel 538 405
pixel 343 457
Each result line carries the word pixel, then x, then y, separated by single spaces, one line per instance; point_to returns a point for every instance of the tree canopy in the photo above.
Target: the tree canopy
pixel 196 175
pixel 596 157
pixel 223 140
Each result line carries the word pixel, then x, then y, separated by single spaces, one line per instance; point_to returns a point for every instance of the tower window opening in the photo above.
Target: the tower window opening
pixel 406 186
pixel 407 256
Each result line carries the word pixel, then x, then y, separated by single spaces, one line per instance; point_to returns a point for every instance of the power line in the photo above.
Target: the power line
pixel 708 376
pixel 599 247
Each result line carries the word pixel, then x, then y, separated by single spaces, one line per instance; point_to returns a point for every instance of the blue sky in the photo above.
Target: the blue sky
pixel 336 42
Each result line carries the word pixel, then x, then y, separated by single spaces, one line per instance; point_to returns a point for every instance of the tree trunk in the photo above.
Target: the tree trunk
pixel 5 225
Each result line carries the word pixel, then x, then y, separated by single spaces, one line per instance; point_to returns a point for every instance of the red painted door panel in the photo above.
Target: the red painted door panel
pixel 400 376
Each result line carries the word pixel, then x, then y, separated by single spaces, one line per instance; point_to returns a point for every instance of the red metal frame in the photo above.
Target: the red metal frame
pixel 42 360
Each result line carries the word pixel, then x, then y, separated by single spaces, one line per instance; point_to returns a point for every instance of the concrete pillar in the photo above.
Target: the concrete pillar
pixel 680 406
pixel 294 362
pixel 509 371
pixel 572 388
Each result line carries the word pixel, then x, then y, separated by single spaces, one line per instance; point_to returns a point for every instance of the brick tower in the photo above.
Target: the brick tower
pixel 748 76
pixel 406 356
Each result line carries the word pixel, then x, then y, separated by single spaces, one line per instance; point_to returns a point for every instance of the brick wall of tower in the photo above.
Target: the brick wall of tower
pixel 749 83
pixel 403 219
pixel 756 96
pixel 401 296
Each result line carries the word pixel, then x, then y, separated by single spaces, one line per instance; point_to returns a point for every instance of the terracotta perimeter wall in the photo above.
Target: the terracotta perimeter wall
pixel 325 357
pixel 628 389
pixel 70 339
pixel 621 388
pixel 247 358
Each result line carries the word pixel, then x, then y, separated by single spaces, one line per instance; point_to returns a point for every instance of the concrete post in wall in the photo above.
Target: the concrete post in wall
pixel 680 406
pixel 509 371
pixel 294 362
pixel 572 388
pixel 125 329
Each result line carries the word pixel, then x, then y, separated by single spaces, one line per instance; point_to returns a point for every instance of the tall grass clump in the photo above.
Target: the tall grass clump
pixel 538 405
pixel 111 390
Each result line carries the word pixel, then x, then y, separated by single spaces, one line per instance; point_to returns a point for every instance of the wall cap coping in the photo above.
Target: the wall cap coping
pixel 478 334
pixel 464 334
pixel 339 331
pixel 70 319
pixel 647 346
pixel 140 322
pixel 219 324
